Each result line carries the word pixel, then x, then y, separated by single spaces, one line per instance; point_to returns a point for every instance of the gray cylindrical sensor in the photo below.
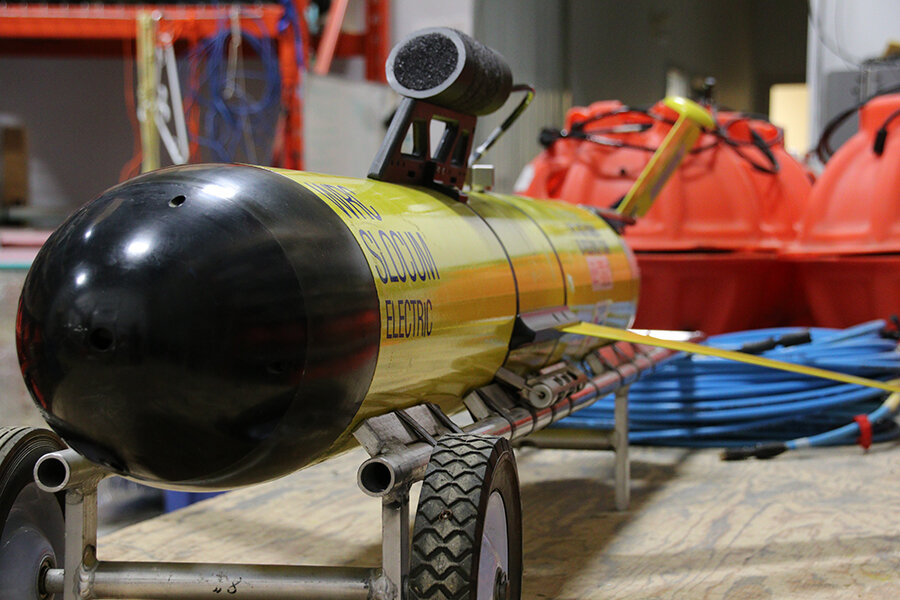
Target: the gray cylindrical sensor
pixel 448 68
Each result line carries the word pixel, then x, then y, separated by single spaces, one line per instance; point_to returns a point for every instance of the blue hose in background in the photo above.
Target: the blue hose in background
pixel 699 401
pixel 239 127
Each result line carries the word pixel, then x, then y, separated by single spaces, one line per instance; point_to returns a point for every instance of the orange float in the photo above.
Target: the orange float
pixel 706 248
pixel 847 249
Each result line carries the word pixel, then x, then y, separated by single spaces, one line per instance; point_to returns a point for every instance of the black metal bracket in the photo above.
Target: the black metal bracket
pixel 541 325
pixel 444 169
pixel 414 427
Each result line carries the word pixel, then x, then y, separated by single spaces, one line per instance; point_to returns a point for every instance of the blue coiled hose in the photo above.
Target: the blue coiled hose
pixel 225 122
pixel 700 401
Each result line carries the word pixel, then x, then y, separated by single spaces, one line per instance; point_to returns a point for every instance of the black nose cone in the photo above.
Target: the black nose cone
pixel 172 329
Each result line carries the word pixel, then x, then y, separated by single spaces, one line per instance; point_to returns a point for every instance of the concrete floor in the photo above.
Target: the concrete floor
pixel 16 407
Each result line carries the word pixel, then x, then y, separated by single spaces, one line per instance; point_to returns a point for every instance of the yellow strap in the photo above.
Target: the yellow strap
pixel 623 335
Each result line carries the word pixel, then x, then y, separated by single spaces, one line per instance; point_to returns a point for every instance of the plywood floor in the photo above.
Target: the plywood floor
pixel 16 407
pixel 816 524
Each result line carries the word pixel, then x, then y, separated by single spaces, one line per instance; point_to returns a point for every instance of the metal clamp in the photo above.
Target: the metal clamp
pixel 550 385
pixel 397 443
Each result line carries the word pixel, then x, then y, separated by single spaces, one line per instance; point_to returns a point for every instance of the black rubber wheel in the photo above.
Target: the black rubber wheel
pixel 467 537
pixel 32 525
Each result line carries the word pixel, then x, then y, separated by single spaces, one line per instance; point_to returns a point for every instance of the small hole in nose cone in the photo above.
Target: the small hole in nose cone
pixel 177 201
pixel 101 339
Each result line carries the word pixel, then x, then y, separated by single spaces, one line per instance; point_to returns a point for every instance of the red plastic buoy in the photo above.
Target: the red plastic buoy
pixel 711 234
pixel 847 250
pixel 853 208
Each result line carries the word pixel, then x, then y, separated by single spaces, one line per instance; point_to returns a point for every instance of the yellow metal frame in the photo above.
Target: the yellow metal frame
pixel 146 72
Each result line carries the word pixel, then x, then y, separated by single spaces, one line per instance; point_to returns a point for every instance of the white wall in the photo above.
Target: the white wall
pixel 858 30
pixel 530 34
pixel 622 50
pixel 77 127
pixel 409 15
pixel 343 123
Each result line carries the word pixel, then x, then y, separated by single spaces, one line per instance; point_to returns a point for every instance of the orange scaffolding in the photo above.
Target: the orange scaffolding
pixel 373 43
pixel 188 23
pixel 96 23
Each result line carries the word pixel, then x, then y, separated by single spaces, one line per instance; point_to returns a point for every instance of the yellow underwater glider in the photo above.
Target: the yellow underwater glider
pixel 206 327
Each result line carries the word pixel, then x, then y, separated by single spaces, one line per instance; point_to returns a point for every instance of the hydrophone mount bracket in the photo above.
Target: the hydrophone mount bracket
pixel 444 76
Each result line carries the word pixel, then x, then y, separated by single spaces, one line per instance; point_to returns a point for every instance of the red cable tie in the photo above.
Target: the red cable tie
pixel 865 431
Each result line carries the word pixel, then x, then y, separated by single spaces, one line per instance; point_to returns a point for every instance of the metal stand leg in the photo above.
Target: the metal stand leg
pixel 620 442
pixel 84 577
pixel 395 541
pixel 66 470
pixel 81 538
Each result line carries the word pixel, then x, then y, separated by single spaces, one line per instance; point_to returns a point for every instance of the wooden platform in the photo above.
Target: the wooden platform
pixel 812 524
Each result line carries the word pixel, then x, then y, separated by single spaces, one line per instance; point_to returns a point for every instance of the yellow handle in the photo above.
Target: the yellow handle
pixel 623 335
pixel 667 157
pixel 690 110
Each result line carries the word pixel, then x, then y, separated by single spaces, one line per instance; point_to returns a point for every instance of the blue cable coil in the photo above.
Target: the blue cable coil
pixel 699 401
pixel 226 121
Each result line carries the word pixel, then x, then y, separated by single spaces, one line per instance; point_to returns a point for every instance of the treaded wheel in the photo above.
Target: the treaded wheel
pixel 467 537
pixel 32 526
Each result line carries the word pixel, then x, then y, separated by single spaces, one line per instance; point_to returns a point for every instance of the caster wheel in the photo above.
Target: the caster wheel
pixel 32 525
pixel 467 537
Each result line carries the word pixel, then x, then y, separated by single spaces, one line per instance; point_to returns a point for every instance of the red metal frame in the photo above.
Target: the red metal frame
pixel 291 134
pixel 373 44
pixel 93 27
pixel 330 34
pixel 99 21
pixel 378 38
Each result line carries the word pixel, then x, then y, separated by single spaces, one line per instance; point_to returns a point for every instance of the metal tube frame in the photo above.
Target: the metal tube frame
pixel 84 577
pixel 407 464
pixel 590 439
pixel 620 445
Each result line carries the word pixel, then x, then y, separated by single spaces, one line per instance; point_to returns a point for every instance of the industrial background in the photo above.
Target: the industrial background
pixel 793 226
